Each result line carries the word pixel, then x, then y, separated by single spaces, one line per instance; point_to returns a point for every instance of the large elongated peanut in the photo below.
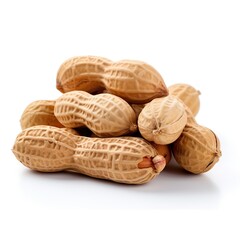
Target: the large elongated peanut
pixel 162 120
pixel 134 81
pixel 104 114
pixel 39 112
pixel 197 149
pixel 188 94
pixel 124 159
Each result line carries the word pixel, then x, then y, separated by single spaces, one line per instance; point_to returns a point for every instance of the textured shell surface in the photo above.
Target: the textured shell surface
pixel 162 120
pixel 197 149
pixel 116 158
pixel 45 148
pixel 134 81
pixel 104 114
pixel 82 73
pixel 40 112
pixel 51 149
pixel 188 94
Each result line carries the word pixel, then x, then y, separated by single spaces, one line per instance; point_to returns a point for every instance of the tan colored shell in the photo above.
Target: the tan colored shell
pixel 39 112
pixel 184 92
pixel 162 120
pixel 197 149
pixel 163 150
pixel 188 94
pixel 134 81
pixel 190 117
pixel 82 73
pixel 51 149
pixel 104 114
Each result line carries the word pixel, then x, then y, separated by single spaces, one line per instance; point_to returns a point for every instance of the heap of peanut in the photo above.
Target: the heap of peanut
pixel 115 121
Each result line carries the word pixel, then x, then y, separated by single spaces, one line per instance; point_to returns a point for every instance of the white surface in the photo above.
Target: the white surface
pixel 196 42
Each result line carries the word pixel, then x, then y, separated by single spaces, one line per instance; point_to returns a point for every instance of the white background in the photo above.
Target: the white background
pixel 195 42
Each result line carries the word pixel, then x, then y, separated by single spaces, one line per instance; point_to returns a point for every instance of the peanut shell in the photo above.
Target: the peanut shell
pixel 188 94
pixel 39 112
pixel 197 149
pixel 134 81
pixel 104 114
pixel 162 120
pixel 129 160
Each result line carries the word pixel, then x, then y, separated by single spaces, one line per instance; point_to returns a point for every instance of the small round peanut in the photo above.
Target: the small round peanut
pixel 197 149
pixel 162 120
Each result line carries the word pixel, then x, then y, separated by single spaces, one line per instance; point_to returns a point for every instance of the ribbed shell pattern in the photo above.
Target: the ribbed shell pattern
pixel 134 81
pixel 197 149
pixel 188 94
pixel 162 120
pixel 39 112
pixel 104 114
pixel 51 149
pixel 82 73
